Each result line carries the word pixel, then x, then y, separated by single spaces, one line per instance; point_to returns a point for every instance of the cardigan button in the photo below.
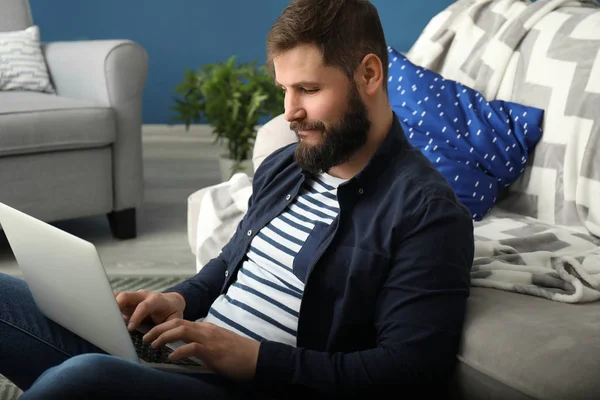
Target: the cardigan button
pixel 360 191
pixel 288 197
pixel 226 274
pixel 250 232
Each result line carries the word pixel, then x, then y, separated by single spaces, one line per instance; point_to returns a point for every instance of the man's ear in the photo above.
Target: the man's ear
pixel 370 74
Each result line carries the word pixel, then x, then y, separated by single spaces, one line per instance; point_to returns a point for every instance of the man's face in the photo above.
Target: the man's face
pixel 324 109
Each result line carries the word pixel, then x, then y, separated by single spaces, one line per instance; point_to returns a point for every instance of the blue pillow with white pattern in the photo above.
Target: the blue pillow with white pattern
pixel 480 147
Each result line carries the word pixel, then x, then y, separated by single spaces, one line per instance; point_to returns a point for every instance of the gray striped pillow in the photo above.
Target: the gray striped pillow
pixel 22 63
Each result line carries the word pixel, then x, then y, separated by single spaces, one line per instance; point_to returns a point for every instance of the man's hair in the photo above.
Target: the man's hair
pixel 345 31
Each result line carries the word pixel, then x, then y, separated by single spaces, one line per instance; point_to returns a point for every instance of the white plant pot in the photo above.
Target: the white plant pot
pixel 226 167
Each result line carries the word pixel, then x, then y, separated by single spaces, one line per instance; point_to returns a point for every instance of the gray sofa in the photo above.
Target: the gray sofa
pixel 522 339
pixel 78 152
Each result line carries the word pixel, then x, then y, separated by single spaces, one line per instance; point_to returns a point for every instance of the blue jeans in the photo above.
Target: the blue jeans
pixel 49 362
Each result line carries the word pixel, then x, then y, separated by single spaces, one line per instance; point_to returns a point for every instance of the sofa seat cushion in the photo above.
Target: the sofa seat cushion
pixel 33 122
pixel 544 349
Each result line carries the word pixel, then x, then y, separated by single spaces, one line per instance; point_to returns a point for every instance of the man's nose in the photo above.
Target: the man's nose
pixel 293 110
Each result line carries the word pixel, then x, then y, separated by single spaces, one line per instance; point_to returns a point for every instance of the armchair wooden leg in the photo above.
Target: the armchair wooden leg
pixel 122 223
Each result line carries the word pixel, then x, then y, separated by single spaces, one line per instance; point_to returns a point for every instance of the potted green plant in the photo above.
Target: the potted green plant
pixel 232 98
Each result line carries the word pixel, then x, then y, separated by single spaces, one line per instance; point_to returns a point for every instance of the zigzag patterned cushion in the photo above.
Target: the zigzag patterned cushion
pixel 544 54
pixel 22 63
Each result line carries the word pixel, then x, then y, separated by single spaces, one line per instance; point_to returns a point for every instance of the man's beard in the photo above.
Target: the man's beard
pixel 339 142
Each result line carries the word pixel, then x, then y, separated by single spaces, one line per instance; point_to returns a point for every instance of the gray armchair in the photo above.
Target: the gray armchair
pixel 78 152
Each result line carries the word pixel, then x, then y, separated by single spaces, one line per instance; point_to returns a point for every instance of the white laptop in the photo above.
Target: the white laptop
pixel 69 285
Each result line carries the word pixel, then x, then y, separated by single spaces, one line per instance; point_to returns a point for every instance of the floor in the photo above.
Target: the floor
pixel 176 164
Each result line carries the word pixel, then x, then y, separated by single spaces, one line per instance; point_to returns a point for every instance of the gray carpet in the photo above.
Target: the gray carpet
pixel 176 163
pixel 155 283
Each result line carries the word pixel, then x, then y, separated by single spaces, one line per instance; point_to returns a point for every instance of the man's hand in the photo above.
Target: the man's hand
pixel 220 349
pixel 161 307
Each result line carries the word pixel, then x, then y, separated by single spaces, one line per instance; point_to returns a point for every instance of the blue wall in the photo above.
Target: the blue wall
pixel 180 33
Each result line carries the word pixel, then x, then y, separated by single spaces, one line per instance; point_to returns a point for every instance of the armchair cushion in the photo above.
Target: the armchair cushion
pixel 15 15
pixel 110 73
pixel 22 63
pixel 38 122
pixel 106 71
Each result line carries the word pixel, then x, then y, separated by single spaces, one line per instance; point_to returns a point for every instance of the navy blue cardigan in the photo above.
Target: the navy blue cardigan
pixel 385 285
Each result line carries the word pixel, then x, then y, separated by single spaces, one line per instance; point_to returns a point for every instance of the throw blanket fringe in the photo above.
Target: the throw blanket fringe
pixel 524 255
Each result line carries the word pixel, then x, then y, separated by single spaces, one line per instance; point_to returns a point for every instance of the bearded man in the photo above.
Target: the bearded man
pixel 347 278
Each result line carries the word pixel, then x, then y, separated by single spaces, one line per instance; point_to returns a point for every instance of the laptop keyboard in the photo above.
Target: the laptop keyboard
pixel 148 354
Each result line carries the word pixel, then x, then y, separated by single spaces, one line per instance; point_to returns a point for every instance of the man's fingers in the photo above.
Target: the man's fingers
pixel 193 349
pixel 129 299
pixel 143 309
pixel 184 331
pixel 159 329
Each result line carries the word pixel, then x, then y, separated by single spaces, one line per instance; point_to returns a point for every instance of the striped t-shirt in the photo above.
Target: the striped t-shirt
pixel 264 302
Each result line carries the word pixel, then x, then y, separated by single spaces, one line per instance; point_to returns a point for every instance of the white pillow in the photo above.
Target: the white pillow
pixel 273 135
pixel 22 63
pixel 221 210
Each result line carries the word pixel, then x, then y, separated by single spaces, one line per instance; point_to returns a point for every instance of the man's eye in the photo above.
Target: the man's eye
pixel 310 91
